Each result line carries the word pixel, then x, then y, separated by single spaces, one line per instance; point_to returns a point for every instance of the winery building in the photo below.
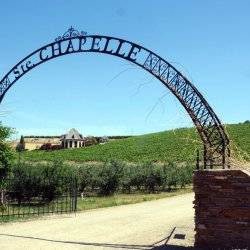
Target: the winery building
pixel 73 139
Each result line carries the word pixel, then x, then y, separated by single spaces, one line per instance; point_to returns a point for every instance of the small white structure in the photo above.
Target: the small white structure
pixel 103 140
pixel 72 140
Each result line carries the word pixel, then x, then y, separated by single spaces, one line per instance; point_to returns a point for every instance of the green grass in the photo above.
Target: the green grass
pixel 125 199
pixel 177 145
pixel 15 218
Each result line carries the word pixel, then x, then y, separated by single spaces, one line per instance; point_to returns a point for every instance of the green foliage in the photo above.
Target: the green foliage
pixel 170 146
pixel 136 179
pixel 153 176
pixel 5 132
pixel 85 177
pixel 113 176
pixel 56 169
pixel 6 157
pixel 176 145
pixel 108 177
pixel 47 181
pixel 25 183
pixel 130 178
pixel 6 153
pixel 170 175
pixel 185 175
pixel 240 140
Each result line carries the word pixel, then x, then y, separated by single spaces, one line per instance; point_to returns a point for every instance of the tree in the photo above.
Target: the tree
pixel 6 157
pixel 22 143
pixel 109 177
pixel 6 153
pixel 20 147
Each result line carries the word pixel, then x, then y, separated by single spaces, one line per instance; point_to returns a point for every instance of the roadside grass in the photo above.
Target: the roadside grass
pixel 95 202
pixel 88 203
pixel 9 219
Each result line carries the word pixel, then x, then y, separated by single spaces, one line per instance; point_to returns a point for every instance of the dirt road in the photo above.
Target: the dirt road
pixel 138 226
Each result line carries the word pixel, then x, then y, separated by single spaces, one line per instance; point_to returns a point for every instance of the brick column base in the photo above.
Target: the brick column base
pixel 222 209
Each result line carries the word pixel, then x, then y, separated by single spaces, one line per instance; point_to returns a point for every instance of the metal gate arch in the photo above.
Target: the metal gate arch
pixel 210 129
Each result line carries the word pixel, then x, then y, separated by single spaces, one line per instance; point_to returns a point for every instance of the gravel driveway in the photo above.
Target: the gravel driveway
pixel 138 226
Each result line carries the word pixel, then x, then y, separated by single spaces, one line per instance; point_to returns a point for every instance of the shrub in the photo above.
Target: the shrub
pixel 49 146
pixel 56 178
pixel 185 174
pixel 108 177
pixel 46 146
pixel 170 175
pixel 56 147
pixel 153 177
pixel 24 183
pixel 128 178
pixel 85 177
pixel 137 177
pixel 46 181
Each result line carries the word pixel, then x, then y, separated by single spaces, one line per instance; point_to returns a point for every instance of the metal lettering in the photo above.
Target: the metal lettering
pixel 29 65
pixel 82 41
pixel 41 54
pixel 133 52
pixel 54 49
pixel 96 42
pixel 16 73
pixel 70 47
pixel 106 46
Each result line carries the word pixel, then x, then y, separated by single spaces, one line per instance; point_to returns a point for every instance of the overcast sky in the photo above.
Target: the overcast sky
pixel 209 41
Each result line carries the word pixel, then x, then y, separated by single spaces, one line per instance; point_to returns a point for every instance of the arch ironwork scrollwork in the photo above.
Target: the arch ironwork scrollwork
pixel 211 130
pixel 71 33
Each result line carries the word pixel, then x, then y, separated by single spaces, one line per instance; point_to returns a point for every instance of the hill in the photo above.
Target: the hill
pixel 174 145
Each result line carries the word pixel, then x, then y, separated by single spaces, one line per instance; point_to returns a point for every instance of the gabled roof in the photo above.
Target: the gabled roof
pixel 73 134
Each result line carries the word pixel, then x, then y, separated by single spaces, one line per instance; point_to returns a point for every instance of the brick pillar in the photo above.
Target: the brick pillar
pixel 222 209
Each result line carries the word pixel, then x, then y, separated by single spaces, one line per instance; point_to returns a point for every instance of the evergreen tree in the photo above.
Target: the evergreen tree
pixel 21 145
pixel 22 142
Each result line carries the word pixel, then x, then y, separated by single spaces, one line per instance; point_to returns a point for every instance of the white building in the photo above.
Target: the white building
pixel 72 140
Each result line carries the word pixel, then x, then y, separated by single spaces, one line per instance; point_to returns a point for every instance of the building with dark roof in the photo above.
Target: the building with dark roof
pixel 73 139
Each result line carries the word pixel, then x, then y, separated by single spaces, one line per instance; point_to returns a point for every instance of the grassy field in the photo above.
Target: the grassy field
pixel 175 145
pixel 125 199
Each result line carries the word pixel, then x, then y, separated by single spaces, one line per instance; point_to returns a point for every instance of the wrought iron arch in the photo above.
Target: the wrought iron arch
pixel 211 131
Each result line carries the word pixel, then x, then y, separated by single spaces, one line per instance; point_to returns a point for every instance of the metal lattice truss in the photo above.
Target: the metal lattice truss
pixel 212 133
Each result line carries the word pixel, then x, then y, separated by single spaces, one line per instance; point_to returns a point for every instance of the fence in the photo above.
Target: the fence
pixel 35 196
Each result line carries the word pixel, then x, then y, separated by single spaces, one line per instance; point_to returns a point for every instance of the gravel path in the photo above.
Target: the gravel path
pixel 137 226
